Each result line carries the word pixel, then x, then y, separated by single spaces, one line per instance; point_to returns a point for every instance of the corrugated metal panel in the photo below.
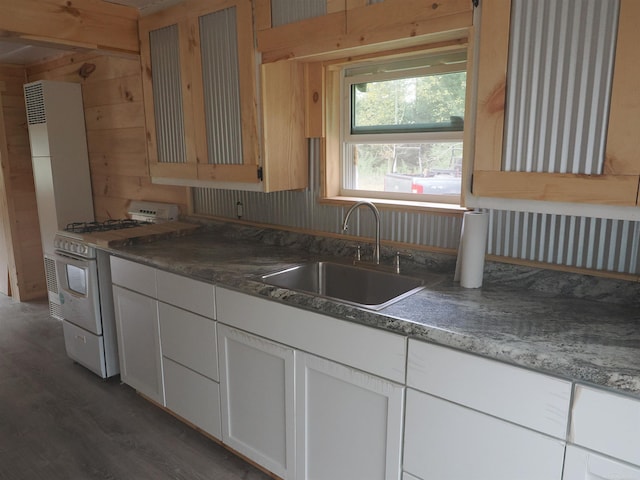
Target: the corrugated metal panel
pixel 289 11
pixel 167 95
pixel 595 243
pixel 219 43
pixel 601 244
pixel 560 69
pixel 302 210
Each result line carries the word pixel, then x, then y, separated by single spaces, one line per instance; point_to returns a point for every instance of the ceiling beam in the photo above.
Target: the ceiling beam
pixel 85 25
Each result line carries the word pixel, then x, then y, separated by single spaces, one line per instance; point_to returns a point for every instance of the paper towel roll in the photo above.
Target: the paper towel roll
pixel 473 245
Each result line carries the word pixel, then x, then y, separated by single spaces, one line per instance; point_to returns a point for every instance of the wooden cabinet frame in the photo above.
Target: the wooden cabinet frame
pixel 352 24
pixel 618 185
pixel 185 15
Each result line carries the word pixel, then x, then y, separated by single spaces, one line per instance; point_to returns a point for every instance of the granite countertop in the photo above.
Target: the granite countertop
pixel 575 326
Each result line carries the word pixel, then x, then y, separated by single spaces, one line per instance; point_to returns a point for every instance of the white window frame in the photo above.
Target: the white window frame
pixel 347 139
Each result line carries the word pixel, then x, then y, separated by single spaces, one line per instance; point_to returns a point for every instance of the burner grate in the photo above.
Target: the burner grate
pixel 89 227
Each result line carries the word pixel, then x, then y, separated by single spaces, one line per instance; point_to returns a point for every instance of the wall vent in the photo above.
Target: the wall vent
pixel 55 311
pixel 35 103
pixel 51 276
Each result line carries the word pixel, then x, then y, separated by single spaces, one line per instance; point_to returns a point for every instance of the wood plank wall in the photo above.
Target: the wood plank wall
pixel 22 246
pixel 114 116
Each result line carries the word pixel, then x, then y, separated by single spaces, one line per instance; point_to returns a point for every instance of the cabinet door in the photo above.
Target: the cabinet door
pixel 285 148
pixel 348 423
pixel 225 88
pixel 200 92
pixel 542 131
pixel 445 441
pixel 583 465
pixel 164 47
pixel 257 397
pixel 139 342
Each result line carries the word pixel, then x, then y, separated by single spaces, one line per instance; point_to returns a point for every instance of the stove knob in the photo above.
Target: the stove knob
pixel 74 247
pixel 85 249
pixel 65 245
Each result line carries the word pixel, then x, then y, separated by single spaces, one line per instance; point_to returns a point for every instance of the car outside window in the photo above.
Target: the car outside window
pixel 403 123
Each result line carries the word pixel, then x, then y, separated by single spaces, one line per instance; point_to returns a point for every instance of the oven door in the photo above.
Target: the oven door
pixel 78 291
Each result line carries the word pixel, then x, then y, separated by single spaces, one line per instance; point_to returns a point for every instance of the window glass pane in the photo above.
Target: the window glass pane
pixel 433 168
pixel 416 104
pixel 77 279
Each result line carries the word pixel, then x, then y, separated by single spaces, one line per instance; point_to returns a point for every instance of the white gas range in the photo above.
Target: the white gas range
pixel 84 287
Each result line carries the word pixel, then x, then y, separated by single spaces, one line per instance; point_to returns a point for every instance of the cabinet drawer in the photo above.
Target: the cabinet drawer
pixel 607 423
pixel 584 465
pixel 189 339
pixel 369 349
pixel 445 441
pixel 134 276
pixel 193 397
pixel 187 293
pixel 521 396
pixel 84 347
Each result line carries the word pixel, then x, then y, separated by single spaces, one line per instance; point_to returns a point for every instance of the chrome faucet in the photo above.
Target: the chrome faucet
pixel 376 213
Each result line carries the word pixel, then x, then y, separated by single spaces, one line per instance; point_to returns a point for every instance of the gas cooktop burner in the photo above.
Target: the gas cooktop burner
pixel 88 227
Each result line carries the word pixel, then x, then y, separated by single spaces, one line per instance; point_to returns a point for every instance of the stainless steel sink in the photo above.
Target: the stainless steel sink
pixel 358 286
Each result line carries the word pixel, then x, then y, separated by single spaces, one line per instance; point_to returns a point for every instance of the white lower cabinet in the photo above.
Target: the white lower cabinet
pixel 581 464
pixel 606 422
pixel 349 423
pixel 445 441
pixel 190 365
pixel 257 399
pixel 139 342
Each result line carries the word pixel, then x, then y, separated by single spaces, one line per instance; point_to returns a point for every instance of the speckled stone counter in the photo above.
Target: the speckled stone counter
pixel 579 327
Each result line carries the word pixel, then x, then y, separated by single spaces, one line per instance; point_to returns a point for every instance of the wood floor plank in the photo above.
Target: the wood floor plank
pixel 60 421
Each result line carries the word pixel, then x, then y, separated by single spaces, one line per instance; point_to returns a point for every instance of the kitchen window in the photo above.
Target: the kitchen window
pixel 400 127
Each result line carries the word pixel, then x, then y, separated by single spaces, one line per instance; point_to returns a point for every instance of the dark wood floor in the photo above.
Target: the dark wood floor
pixel 60 421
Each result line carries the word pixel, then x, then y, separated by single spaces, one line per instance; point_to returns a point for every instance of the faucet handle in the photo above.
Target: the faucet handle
pixel 396 259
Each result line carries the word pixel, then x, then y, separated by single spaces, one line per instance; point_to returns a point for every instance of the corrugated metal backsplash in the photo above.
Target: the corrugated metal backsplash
pixel 610 245
pixel 560 68
pixel 302 210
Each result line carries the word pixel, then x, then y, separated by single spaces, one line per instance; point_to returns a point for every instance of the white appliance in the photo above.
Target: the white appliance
pixel 153 211
pixel 55 118
pixel 84 289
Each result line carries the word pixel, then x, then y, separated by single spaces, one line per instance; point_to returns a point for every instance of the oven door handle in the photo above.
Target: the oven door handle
pixel 73 260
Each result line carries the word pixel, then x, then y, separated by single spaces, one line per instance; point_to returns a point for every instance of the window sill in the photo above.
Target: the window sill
pixel 400 205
